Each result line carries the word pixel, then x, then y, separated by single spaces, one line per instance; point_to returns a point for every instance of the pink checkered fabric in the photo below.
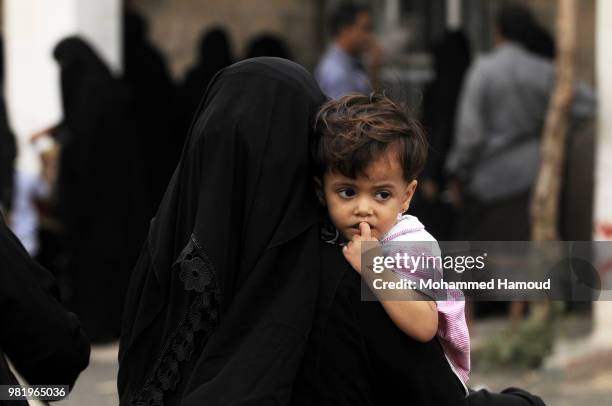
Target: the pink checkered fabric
pixel 452 332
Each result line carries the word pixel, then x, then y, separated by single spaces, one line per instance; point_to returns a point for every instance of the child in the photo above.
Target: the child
pixel 369 155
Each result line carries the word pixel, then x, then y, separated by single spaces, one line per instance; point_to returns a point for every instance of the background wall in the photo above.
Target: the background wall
pixel 176 25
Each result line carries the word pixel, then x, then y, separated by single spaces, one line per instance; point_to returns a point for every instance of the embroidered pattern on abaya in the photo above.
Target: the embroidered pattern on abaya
pixel 195 270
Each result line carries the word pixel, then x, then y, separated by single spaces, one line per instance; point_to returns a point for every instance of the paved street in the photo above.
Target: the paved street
pixel 97 386
pixel 586 384
pixel 590 388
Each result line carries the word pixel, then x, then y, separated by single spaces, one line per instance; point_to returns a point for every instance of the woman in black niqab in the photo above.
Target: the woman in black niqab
pixel 153 98
pixel 101 197
pixel 214 54
pixel 451 59
pixel 8 147
pixel 267 44
pixel 223 295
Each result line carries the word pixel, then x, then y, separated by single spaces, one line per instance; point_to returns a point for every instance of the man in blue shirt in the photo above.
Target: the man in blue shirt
pixel 340 70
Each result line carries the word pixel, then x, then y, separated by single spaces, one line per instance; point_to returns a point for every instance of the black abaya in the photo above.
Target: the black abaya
pixel 214 54
pixel 451 56
pixel 357 356
pixel 101 193
pixel 223 296
pixel 8 149
pixel 153 97
pixel 8 152
pixel 44 341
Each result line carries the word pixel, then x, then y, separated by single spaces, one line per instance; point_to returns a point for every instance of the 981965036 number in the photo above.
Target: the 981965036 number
pixel 40 392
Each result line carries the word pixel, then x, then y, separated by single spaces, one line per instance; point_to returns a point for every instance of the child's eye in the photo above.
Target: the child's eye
pixel 346 193
pixel 383 195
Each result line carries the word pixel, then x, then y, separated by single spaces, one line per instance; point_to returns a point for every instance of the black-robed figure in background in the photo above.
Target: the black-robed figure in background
pixel 214 54
pixel 153 96
pixel 8 149
pixel 8 153
pixel 102 196
pixel 44 341
pixel 518 24
pixel 223 296
pixel 267 45
pixel 451 60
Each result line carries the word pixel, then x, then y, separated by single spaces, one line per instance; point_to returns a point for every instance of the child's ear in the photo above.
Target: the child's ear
pixel 409 193
pixel 319 191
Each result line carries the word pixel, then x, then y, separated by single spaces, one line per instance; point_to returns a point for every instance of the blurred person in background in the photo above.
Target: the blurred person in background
pixel 8 149
pixel 214 54
pixel 43 341
pixel 495 155
pixel 8 153
pixel 341 70
pixel 451 58
pixel 19 188
pixel 267 45
pixel 101 189
pixel 153 95
pixel 25 219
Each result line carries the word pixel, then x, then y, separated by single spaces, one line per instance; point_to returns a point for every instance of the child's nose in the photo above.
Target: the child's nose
pixel 363 208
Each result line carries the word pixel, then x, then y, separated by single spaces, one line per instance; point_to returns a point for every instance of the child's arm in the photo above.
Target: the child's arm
pixel 416 318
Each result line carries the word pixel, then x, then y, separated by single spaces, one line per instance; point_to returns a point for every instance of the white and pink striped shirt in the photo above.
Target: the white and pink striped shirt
pixel 452 332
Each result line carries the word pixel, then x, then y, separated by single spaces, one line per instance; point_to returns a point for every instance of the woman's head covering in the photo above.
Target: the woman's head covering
pixel 517 23
pixel 451 53
pixel 75 52
pixel 79 66
pixel 268 45
pixel 222 299
pixel 8 148
pixel 135 28
pixel 214 54
pixel 451 59
pixel 214 48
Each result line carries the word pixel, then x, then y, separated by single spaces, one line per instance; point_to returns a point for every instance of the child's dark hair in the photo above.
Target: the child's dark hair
pixel 355 130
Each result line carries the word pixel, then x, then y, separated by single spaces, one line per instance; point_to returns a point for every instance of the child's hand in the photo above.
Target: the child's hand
pixel 352 251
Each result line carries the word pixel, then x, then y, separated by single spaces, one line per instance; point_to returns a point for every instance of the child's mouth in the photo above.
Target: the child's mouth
pixel 356 226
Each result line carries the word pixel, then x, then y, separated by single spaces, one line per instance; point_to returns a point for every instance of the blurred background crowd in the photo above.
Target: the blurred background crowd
pixel 80 190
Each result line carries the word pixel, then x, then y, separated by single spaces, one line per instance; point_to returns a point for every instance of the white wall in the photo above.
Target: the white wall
pixel 32 28
pixel 100 22
pixel 603 166
pixel 453 14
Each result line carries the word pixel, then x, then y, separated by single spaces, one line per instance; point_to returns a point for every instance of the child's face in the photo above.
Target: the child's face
pixel 376 198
